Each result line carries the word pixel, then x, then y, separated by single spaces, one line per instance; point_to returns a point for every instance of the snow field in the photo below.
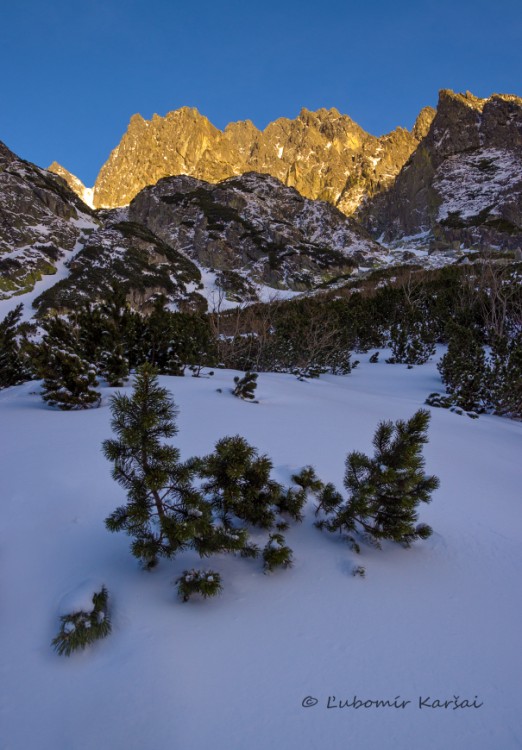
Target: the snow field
pixel 438 621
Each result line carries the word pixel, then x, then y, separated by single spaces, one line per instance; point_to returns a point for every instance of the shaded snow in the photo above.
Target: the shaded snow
pixel 49 280
pixel 79 599
pixel 438 620
pixel 471 183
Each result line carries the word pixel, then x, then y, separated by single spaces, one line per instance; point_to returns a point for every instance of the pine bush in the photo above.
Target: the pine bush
pixel 385 491
pixel 79 629
pixel 14 367
pixel 246 386
pixel 164 513
pixel 505 385
pixel 238 484
pixel 276 554
pixel 206 583
pixel 464 370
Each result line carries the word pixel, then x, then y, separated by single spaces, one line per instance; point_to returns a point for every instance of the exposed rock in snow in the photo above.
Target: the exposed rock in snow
pixel 463 184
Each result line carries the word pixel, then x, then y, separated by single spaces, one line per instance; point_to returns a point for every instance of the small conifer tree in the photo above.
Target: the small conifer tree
pixel 384 491
pixel 464 370
pixel 246 386
pixel 238 484
pixel 13 365
pixel 164 513
pixel 69 381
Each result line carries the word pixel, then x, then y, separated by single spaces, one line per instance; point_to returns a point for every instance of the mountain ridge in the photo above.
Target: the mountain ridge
pixel 324 154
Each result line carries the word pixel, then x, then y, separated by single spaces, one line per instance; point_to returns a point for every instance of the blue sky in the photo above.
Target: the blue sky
pixel 74 72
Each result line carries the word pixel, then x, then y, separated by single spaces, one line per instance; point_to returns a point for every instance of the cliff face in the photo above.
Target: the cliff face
pixel 41 221
pixel 76 185
pixel 247 233
pixel 463 184
pixel 127 253
pixel 243 232
pixel 322 154
pixel 255 228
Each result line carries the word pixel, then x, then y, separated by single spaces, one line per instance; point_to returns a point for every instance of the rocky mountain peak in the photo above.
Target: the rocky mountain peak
pixel 323 154
pixel 447 97
pixel 74 183
pixel 6 156
pixel 253 228
pixel 463 184
pixel 423 123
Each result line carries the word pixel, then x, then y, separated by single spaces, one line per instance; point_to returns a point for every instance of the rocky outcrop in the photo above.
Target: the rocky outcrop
pixel 41 221
pixel 76 185
pixel 254 226
pixel 325 155
pixel 131 255
pixel 248 233
pixel 463 183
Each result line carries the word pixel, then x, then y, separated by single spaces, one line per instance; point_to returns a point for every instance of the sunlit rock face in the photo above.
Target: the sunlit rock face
pixel 85 193
pixel 322 154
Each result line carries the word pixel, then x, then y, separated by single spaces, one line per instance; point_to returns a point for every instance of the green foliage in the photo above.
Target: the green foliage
pixel 439 401
pixel 276 554
pixel 411 343
pixel 384 491
pixel 79 629
pixel 505 383
pixel 170 341
pixel 446 402
pixel 69 379
pixel 14 367
pixel 207 583
pixel 246 386
pixel 329 499
pixel 238 484
pixel 164 513
pixel 464 370
pixel 293 500
pixel 114 366
pixel 307 479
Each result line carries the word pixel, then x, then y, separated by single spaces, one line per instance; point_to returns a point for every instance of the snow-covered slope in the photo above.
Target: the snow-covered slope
pixel 41 224
pixel 437 621
pixel 463 183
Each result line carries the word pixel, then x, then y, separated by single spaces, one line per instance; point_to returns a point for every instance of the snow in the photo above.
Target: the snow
pixel 476 182
pixel 79 599
pixel 49 280
pixel 87 196
pixel 273 656
pixel 216 297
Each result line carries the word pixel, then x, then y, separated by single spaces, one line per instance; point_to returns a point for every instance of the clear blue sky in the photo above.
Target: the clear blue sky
pixel 74 72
